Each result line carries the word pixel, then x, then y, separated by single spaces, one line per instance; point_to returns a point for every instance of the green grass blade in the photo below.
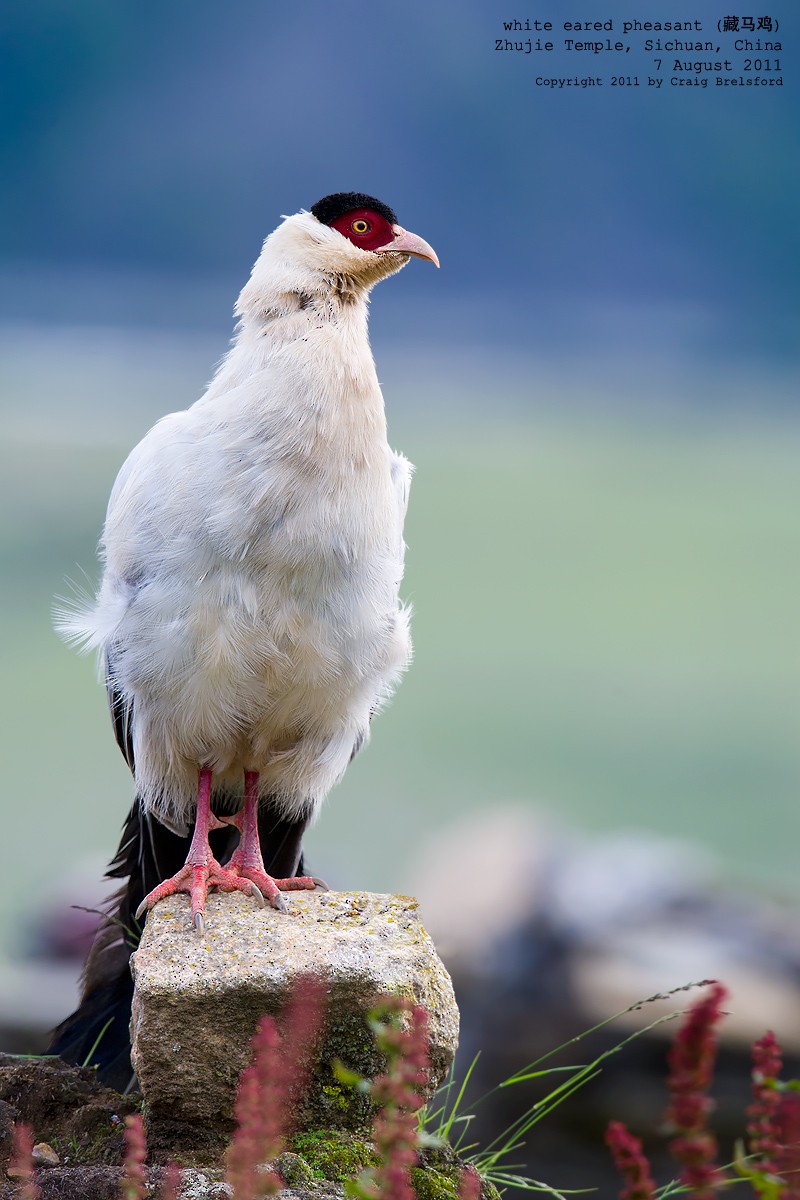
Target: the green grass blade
pixel 97 1042
pixel 637 1007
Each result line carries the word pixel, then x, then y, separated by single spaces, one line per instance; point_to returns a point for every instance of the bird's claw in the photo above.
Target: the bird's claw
pixel 279 903
pixel 320 885
pixel 196 878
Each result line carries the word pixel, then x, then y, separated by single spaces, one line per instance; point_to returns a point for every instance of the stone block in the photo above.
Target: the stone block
pixel 197 1000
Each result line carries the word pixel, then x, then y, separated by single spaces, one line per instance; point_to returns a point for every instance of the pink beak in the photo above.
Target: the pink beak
pixel 408 243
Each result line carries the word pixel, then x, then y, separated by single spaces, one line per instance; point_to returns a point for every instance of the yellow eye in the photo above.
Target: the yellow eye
pixel 360 226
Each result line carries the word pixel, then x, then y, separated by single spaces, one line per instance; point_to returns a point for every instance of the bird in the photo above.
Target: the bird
pixel 248 619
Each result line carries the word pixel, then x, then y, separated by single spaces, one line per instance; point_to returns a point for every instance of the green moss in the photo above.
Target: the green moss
pixel 438 1177
pixel 294 1170
pixel 336 1096
pixel 332 1154
pixel 430 1184
pixel 335 1156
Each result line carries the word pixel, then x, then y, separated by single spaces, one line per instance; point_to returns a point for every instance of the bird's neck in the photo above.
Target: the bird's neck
pixel 295 311
pixel 314 343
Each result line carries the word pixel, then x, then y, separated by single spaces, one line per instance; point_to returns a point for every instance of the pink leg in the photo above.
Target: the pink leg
pixel 247 861
pixel 201 870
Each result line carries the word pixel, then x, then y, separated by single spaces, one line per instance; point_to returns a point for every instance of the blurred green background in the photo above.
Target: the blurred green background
pixel 599 390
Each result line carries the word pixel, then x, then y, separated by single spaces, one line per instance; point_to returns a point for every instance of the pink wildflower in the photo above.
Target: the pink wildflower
pixel 691 1062
pixel 762 1130
pixel 631 1162
pixel 301 1025
pixel 133 1185
pixel 397 1093
pixel 787 1132
pixel 269 1089
pixel 20 1167
pixel 170 1183
pixel 260 1106
pixel 469 1187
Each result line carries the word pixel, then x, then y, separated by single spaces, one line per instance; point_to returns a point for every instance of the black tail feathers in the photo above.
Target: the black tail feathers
pixel 97 1034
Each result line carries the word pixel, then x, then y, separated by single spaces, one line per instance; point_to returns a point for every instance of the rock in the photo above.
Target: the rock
pixel 293 1170
pixel 203 1185
pixel 197 1000
pixel 44 1155
pixel 330 1154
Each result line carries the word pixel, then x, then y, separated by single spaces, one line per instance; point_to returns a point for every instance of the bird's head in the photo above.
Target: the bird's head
pixel 347 242
pixel 371 227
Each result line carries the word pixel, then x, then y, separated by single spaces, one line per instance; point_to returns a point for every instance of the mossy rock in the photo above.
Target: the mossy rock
pixel 333 1154
pixel 430 1184
pixel 439 1173
pixel 359 946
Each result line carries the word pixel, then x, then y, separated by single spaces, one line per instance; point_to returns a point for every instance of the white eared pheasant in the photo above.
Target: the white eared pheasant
pixel 248 616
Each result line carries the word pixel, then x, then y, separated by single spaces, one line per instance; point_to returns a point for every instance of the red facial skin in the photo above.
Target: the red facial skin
pixel 377 234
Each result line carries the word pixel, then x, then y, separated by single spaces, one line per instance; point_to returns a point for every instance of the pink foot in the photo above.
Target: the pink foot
pixel 201 870
pixel 247 862
pixel 271 888
pixel 196 879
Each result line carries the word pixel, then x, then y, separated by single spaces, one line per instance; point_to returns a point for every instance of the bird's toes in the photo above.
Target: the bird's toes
pixel 257 894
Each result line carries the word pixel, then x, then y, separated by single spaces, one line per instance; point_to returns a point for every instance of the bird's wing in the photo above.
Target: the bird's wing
pixel 196 486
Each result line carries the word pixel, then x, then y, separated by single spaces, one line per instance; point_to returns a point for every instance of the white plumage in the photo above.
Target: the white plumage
pixel 248 615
